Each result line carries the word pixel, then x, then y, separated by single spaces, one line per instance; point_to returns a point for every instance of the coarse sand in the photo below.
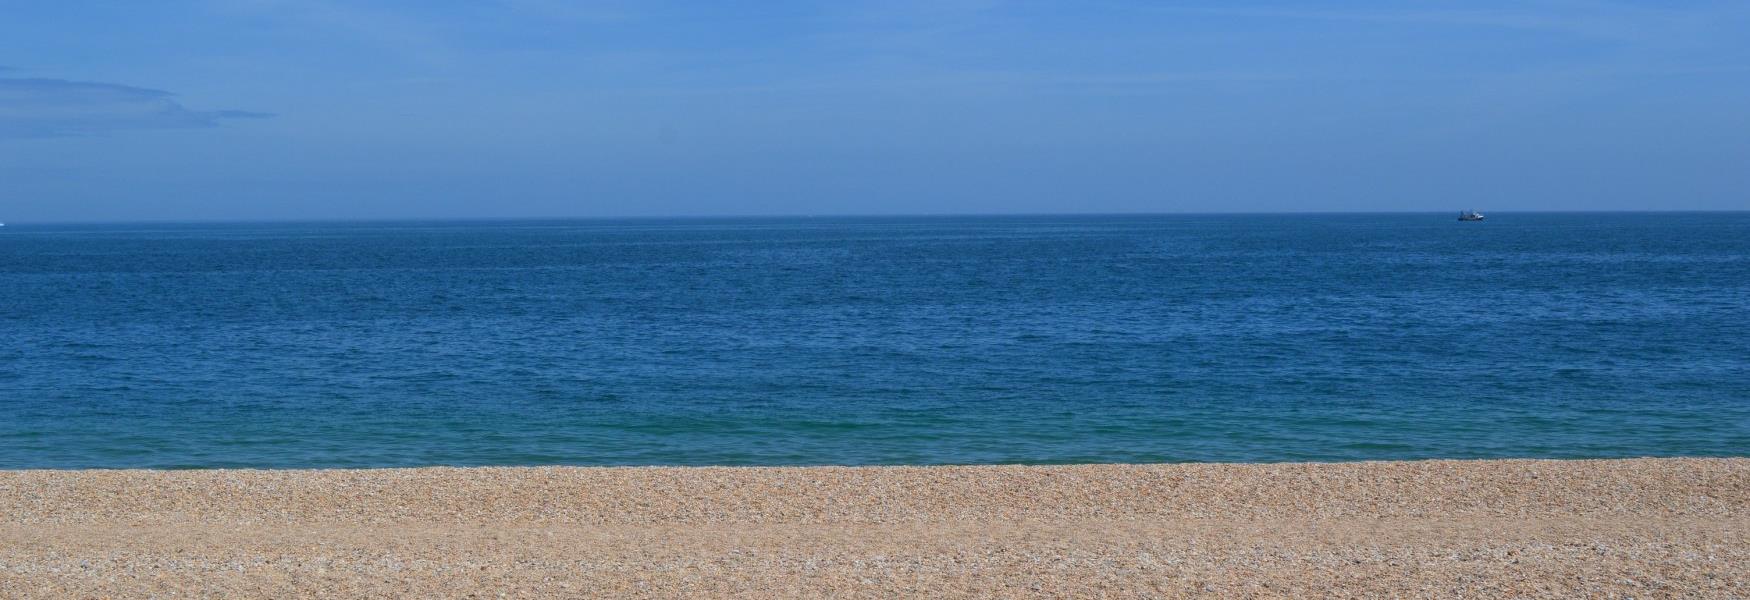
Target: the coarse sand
pixel 1643 528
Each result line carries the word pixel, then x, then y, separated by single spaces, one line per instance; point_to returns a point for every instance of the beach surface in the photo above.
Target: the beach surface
pixel 1600 528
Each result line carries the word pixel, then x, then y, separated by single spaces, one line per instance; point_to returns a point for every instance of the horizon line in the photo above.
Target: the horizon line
pixel 731 216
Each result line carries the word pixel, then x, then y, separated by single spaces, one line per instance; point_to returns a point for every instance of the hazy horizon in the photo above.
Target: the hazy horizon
pixel 270 110
pixel 798 216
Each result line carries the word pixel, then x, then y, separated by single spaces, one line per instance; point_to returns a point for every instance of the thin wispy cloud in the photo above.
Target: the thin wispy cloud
pixel 37 108
pixel 690 106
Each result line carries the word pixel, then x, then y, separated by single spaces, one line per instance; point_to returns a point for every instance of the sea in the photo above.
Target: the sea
pixel 875 341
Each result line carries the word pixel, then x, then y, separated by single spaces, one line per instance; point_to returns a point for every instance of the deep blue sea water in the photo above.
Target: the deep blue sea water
pixel 875 340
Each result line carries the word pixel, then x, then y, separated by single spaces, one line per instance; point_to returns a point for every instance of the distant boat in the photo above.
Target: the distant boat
pixel 1470 215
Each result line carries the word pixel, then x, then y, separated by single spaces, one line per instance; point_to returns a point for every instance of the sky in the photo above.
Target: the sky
pixel 178 110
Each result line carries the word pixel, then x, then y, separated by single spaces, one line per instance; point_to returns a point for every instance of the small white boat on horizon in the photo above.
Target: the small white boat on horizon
pixel 1470 215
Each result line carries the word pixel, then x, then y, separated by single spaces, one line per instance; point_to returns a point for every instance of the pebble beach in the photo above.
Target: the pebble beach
pixel 1530 528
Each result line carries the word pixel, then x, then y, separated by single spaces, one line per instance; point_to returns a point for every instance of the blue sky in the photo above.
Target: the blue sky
pixel 266 109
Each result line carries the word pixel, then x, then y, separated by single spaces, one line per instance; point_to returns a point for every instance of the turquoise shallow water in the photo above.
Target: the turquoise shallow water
pixel 875 341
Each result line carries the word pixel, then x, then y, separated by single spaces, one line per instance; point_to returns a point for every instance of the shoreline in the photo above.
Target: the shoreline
pixel 1642 527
